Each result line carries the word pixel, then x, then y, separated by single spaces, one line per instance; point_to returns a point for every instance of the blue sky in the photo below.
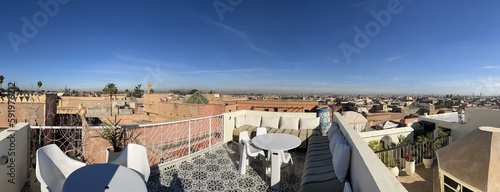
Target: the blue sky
pixel 426 47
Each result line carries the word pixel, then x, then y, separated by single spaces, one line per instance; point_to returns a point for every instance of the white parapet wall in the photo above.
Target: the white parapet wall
pixel 14 157
pixel 229 121
pixel 366 171
pixel 390 135
pixel 474 118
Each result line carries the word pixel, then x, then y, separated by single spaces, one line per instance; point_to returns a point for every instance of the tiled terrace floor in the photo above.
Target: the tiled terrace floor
pixel 423 180
pixel 217 170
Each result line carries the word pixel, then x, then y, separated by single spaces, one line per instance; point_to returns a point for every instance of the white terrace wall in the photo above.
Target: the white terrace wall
pixel 390 135
pixel 229 120
pixel 14 156
pixel 366 171
pixel 475 118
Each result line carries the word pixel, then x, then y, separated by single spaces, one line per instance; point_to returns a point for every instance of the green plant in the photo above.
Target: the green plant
pixel 392 163
pixel 115 135
pixel 375 145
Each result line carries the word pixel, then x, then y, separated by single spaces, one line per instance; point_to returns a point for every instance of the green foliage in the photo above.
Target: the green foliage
pixel 1 80
pixel 446 104
pixel 197 98
pixel 419 132
pixel 110 89
pixel 137 93
pixel 39 84
pixel 115 135
pixel 152 90
pixel 375 145
pixel 392 163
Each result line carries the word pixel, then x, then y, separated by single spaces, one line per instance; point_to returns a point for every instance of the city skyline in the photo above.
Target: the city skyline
pixel 363 47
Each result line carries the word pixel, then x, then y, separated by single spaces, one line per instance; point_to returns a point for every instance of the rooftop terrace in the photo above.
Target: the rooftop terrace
pixel 192 155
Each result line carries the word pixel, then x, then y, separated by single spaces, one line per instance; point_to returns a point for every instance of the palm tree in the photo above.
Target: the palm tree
pixel 110 89
pixel 39 85
pixel 1 80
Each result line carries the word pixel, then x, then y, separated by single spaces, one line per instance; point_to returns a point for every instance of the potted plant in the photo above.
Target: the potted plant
pixel 393 167
pixel 427 155
pixel 410 164
pixel 115 135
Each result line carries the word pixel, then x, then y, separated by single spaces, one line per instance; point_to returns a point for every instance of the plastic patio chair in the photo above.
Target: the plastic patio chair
pixel 53 167
pixel 134 157
pixel 246 149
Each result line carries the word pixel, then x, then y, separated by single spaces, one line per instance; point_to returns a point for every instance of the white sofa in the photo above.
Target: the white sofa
pixel 300 127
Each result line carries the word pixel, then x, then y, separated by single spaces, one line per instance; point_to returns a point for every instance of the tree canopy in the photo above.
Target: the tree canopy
pixel 110 89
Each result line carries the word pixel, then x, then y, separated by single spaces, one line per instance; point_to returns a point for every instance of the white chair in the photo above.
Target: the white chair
pixel 134 157
pixel 53 167
pixel 261 131
pixel 246 149
pixel 278 158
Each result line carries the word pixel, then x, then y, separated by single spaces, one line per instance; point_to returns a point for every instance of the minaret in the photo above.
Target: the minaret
pixel 149 87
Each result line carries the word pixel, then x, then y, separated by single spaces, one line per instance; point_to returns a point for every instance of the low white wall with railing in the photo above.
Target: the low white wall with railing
pixel 390 135
pixel 366 171
pixel 165 142
pixel 14 157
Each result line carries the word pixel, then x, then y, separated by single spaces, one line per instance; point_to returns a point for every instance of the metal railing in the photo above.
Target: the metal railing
pixel 417 150
pixel 165 142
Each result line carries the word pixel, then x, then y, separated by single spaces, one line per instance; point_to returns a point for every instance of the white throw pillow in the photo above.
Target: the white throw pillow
pixel 272 122
pixel 289 123
pixel 240 121
pixel 253 120
pixel 309 123
pixel 340 159
pixel 333 128
pixel 347 187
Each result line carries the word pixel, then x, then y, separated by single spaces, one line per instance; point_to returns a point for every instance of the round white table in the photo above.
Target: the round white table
pixel 276 142
pixel 104 177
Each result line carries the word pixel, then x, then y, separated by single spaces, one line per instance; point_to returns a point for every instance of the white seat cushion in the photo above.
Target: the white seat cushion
pixel 253 120
pixel 271 122
pixel 340 159
pixel 309 123
pixel 289 123
pixel 333 128
pixel 240 121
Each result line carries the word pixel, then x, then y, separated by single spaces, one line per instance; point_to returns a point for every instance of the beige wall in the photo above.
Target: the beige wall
pixel 14 144
pixel 280 106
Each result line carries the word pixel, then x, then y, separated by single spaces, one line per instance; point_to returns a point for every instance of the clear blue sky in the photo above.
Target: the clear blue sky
pixel 426 47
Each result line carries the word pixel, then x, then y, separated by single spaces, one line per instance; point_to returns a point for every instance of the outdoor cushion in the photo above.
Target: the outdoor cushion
pixel 347 187
pixel 242 128
pixel 333 128
pixel 240 121
pixel 272 122
pixel 309 123
pixel 289 123
pixel 322 182
pixel 341 158
pixel 253 120
pixel 335 140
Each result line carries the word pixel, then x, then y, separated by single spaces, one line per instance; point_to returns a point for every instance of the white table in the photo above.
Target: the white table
pixel 276 142
pixel 104 177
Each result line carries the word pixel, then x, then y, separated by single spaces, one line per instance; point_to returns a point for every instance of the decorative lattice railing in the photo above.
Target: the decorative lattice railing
pixel 165 142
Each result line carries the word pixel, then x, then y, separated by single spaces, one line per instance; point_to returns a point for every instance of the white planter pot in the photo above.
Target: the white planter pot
pixel 110 156
pixel 394 170
pixel 410 167
pixel 428 163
